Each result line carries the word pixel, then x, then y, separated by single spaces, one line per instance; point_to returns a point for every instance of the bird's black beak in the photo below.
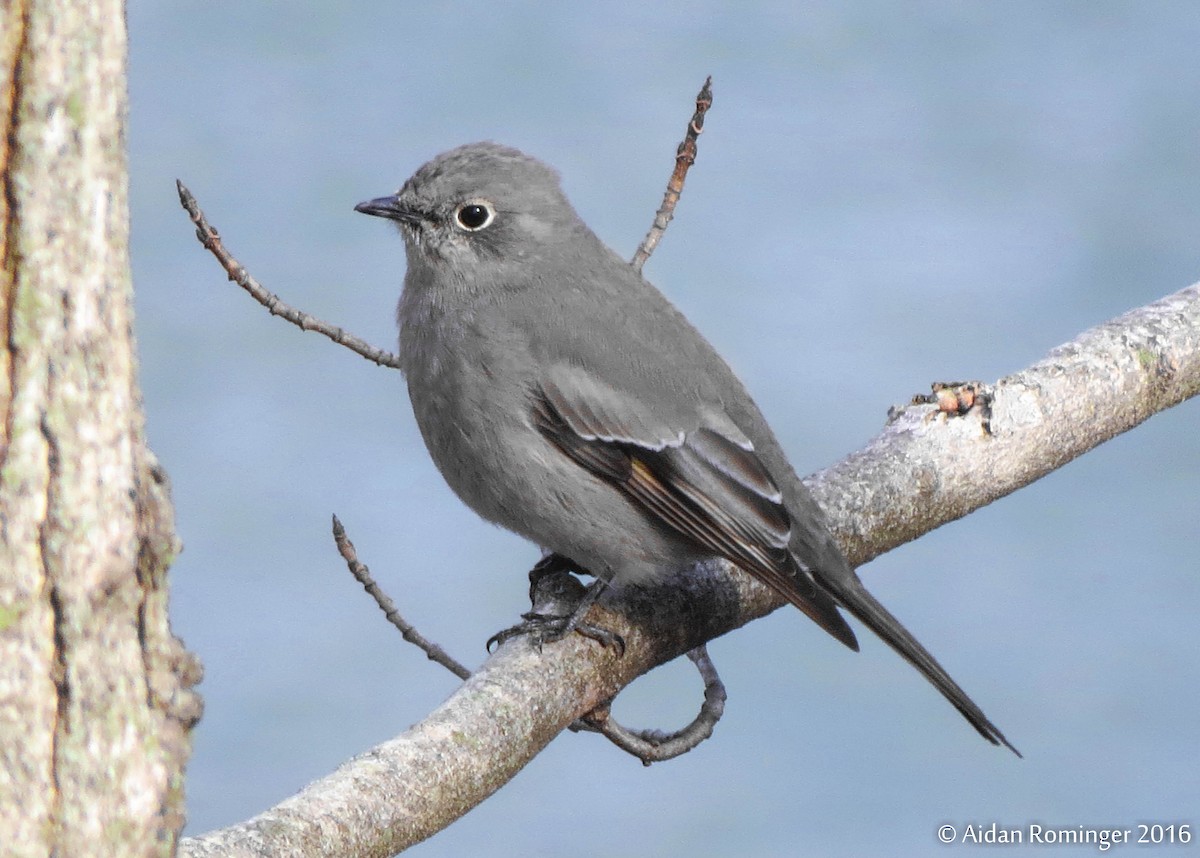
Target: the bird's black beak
pixel 390 208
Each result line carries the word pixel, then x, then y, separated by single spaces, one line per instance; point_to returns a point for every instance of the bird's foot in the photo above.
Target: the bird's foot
pixel 560 602
pixel 542 629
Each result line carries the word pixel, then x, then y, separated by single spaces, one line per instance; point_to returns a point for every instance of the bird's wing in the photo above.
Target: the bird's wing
pixel 704 480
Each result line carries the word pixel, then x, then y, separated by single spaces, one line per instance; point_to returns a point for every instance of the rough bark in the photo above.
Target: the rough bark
pixel 95 707
pixel 926 468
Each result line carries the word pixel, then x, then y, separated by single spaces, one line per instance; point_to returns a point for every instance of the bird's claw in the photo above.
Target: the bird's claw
pixel 542 629
pixel 560 603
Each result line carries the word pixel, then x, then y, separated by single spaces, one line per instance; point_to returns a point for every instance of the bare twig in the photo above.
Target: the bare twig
pixel 654 746
pixel 685 156
pixel 363 575
pixel 211 240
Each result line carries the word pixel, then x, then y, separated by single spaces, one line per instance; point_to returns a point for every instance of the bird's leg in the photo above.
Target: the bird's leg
pixel 551 564
pixel 560 602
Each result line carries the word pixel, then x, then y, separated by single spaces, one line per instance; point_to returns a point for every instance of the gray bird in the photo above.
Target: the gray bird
pixel 565 398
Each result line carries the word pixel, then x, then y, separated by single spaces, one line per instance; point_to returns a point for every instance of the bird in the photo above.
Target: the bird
pixel 565 398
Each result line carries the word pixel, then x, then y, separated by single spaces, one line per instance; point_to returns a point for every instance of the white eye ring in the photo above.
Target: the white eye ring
pixel 474 215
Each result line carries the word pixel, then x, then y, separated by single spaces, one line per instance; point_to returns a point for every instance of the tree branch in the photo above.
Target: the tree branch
pixel 924 469
pixel 276 306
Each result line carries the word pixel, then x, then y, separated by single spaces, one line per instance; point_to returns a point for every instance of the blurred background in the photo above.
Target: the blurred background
pixel 869 171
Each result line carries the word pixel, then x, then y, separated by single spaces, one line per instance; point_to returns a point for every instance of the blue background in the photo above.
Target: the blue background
pixel 886 195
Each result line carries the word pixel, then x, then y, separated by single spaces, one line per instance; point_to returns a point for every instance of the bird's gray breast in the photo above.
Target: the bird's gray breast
pixel 469 395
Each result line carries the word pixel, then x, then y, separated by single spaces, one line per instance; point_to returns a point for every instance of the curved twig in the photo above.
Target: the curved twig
pixel 655 746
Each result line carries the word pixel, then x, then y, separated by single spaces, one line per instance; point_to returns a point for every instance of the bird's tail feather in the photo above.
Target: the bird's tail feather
pixel 855 599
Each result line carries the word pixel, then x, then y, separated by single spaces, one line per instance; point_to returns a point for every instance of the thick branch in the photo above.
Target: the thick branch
pixel 925 469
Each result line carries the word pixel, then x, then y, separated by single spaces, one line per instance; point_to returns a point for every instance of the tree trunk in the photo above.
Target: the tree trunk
pixel 95 699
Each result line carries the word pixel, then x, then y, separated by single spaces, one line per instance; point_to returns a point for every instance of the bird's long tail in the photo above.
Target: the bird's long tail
pixel 853 596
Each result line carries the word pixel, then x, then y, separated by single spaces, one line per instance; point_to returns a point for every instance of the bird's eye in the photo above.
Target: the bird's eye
pixel 475 215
